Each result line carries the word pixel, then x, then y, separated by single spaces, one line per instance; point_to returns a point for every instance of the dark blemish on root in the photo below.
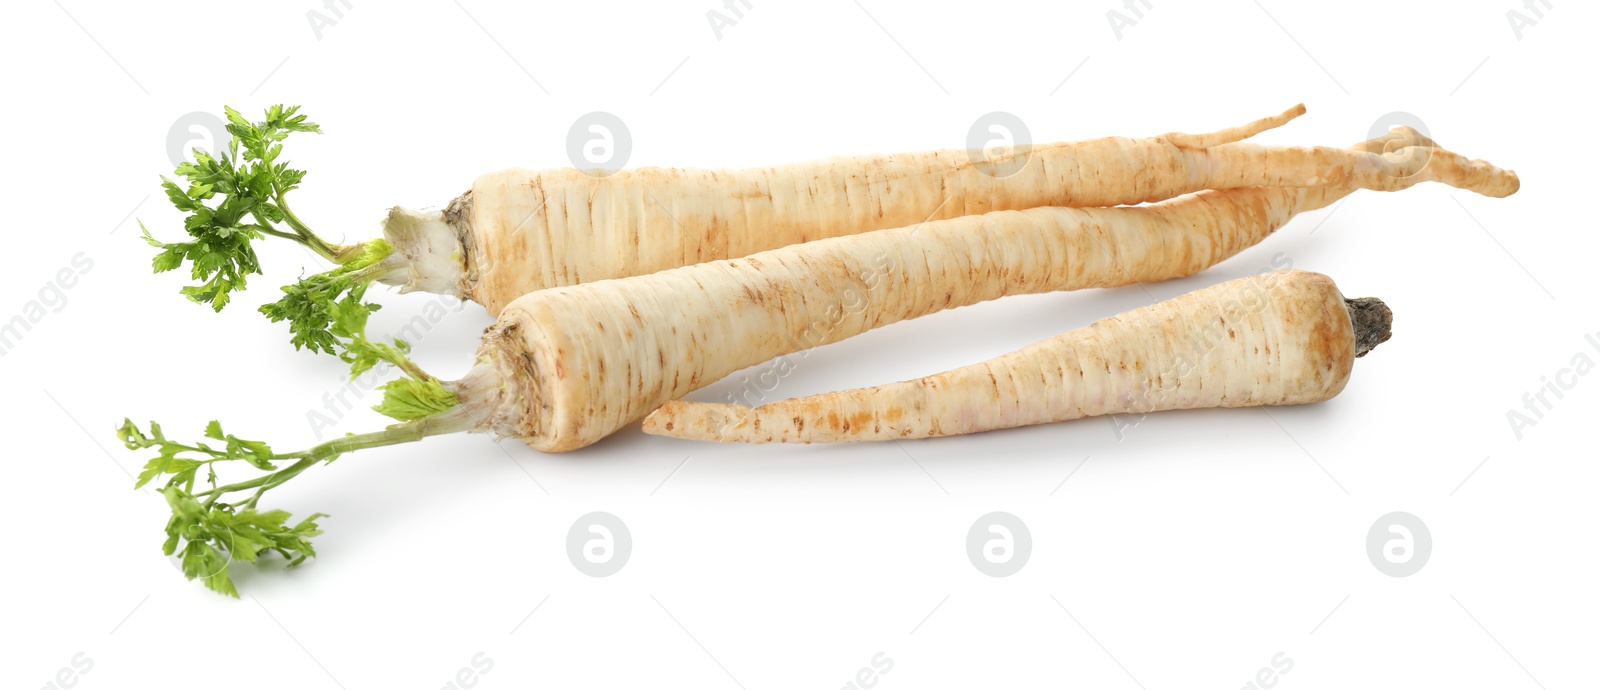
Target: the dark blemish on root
pixel 1372 320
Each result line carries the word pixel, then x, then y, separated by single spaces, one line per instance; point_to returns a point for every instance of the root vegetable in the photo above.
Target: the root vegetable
pixel 580 362
pixel 517 231
pixel 1280 338
pixel 563 367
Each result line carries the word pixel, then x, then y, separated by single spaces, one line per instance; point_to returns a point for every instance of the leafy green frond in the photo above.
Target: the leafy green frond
pixel 236 197
pixel 316 304
pixel 209 534
pixel 410 399
pixel 212 534
pixel 214 537
pixel 245 187
pixel 327 311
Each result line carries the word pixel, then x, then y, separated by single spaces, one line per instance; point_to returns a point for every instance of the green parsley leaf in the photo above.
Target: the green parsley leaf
pixel 410 399
pixel 251 183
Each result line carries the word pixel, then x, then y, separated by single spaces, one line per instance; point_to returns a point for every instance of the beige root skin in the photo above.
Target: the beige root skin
pixel 586 360
pixel 1232 134
pixel 521 230
pixel 1281 338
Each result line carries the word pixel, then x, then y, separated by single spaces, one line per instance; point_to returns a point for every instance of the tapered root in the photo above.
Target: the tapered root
pixel 1281 338
pixel 1233 134
pixel 1479 176
pixel 1362 167
pixel 522 231
pixel 1405 157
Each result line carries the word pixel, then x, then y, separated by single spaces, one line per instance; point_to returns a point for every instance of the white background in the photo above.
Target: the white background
pixel 1186 554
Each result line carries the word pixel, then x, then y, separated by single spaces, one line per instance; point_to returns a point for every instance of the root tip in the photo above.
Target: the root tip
pixel 1372 320
pixel 659 421
pixel 1513 183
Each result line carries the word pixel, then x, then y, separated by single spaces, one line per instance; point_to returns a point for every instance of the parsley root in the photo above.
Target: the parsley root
pixel 563 367
pixel 566 366
pixel 1280 338
pixel 517 231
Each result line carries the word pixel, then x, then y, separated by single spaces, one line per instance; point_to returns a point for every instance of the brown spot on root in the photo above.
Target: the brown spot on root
pixel 859 419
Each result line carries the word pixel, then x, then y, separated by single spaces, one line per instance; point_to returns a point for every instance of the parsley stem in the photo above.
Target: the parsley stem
pixel 338 254
pixel 449 421
pixel 411 369
pixel 280 233
pixel 265 481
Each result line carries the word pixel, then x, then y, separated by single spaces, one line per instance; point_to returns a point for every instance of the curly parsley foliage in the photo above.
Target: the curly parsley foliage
pixel 207 534
pixel 327 310
pixel 327 313
pixel 247 185
pixel 231 200
pixel 237 197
